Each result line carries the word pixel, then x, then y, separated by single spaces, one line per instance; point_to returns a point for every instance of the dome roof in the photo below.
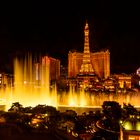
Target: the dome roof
pixel 132 123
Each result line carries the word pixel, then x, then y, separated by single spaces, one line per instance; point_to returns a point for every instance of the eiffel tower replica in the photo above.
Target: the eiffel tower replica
pixel 86 74
pixel 86 67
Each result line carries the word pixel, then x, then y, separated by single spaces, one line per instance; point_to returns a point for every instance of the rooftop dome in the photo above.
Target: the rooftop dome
pixel 132 124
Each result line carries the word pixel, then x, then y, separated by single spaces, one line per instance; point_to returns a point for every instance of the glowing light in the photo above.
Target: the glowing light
pixel 121 121
pixel 128 126
pixel 138 126
pixel 29 92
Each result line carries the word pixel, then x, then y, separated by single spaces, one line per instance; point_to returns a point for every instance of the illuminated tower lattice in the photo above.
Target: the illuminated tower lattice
pixel 86 66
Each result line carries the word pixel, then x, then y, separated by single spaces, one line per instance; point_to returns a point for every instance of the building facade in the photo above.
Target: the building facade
pixel 124 80
pixel 47 70
pixel 99 60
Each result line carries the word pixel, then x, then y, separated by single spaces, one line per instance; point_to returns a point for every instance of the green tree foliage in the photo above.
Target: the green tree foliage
pixel 69 115
pixel 43 109
pixel 80 126
pixel 112 110
pixel 113 114
pixel 27 109
pixel 129 110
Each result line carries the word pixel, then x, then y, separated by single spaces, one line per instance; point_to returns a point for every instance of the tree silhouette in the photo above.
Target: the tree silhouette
pixel 112 110
pixel 129 110
pixel 16 107
pixel 43 109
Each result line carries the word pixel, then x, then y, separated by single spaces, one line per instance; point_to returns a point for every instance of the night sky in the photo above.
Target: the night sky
pixel 55 28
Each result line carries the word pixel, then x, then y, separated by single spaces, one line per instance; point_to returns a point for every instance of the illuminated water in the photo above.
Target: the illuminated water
pixel 31 92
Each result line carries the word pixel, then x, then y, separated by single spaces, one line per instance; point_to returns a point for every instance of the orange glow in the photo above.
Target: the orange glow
pixel 28 92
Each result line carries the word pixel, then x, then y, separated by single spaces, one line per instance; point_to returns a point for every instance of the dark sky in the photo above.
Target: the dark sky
pixel 55 28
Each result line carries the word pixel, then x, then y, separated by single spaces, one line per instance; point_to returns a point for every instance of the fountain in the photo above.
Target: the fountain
pixel 31 93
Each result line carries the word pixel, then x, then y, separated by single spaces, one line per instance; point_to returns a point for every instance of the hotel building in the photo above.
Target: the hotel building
pixel 97 62
pixel 47 70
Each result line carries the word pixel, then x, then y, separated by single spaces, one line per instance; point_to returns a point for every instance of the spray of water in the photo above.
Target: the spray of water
pixel 30 92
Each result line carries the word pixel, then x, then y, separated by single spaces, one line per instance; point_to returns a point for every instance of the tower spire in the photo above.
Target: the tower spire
pixel 86 66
